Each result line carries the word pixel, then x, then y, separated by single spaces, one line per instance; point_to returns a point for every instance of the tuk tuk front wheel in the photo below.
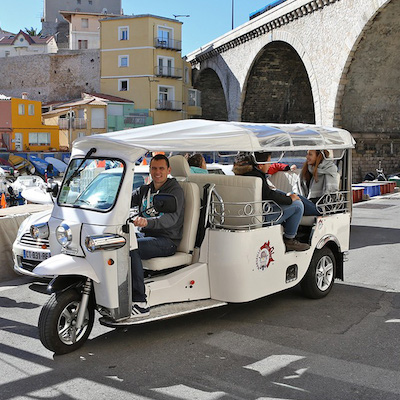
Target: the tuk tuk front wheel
pixel 318 280
pixel 57 322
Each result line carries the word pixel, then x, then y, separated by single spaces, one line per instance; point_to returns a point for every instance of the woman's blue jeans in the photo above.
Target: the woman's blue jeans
pixel 309 207
pixel 148 247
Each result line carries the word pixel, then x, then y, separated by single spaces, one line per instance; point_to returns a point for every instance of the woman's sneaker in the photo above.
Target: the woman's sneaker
pixel 295 245
pixel 140 309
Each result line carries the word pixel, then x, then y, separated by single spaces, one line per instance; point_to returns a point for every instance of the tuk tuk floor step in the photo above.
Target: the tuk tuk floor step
pixel 165 311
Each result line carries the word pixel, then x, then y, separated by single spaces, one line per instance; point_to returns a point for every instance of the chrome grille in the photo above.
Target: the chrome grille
pixel 28 240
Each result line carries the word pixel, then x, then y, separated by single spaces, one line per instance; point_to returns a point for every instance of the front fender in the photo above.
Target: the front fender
pixel 62 264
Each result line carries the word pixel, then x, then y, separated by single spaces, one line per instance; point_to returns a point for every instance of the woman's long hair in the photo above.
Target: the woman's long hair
pixel 306 174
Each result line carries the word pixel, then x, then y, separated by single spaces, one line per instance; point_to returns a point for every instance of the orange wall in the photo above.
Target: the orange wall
pixel 26 123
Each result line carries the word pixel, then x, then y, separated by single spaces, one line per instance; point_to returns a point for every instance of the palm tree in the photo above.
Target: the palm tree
pixel 32 31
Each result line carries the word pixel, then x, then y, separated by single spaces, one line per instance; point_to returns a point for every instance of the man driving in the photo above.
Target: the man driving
pixel 159 234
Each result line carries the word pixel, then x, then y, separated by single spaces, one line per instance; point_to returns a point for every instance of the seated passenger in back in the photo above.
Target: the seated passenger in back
pixel 317 178
pixel 290 204
pixel 197 164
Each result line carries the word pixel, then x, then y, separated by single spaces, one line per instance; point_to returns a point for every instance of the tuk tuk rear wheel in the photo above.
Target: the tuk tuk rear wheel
pixel 57 322
pixel 318 280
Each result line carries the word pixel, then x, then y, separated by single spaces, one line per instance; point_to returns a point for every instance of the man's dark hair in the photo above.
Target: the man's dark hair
pixel 160 157
pixel 262 156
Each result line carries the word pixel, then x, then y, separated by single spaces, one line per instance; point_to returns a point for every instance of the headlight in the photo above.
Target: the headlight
pixel 40 231
pixel 64 235
pixel 108 241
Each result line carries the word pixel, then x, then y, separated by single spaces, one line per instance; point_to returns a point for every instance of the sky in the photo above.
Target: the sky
pixel 208 19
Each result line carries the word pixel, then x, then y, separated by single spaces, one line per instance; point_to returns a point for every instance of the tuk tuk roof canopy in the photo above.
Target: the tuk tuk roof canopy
pixel 204 135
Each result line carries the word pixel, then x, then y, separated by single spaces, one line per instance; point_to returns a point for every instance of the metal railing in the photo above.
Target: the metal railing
pixel 252 215
pixel 76 123
pixel 169 72
pixel 166 43
pixel 170 105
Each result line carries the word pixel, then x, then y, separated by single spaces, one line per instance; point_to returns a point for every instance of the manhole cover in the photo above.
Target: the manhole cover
pixel 374 206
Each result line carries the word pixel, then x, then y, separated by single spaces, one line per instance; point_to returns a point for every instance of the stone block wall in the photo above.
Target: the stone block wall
pixel 51 77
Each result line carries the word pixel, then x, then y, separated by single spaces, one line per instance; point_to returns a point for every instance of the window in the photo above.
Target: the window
pixel 164 36
pixel 123 61
pixel 81 134
pixel 194 97
pixel 123 85
pixel 39 139
pixel 123 32
pixel 31 109
pixel 84 23
pixel 165 66
pixel 186 75
pixel 165 97
pixel 82 44
pixel 90 2
pixel 78 1
pixel 21 109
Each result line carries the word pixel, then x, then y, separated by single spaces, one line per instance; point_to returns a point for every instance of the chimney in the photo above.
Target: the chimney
pixel 24 95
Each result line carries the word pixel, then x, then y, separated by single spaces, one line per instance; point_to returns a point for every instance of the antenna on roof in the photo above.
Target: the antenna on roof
pixel 180 15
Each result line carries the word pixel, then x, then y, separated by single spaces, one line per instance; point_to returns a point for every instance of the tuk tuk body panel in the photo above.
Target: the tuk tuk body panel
pixel 247 265
pixel 187 284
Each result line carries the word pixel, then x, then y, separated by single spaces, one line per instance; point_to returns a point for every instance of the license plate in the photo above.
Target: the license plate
pixel 36 255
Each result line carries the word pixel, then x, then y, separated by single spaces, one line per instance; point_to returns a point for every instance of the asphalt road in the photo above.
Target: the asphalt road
pixel 345 346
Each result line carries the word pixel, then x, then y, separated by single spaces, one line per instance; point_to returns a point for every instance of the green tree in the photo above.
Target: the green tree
pixel 32 31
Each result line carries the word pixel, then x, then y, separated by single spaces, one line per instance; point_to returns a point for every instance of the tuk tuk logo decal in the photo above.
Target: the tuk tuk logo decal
pixel 264 256
pixel 320 224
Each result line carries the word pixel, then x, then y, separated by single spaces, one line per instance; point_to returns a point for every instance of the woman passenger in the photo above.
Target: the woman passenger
pixel 318 177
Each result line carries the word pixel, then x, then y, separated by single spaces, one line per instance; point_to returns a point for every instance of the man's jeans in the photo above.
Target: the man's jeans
pixel 290 218
pixel 148 247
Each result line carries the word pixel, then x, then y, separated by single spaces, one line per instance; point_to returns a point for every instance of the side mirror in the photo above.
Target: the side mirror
pixel 53 189
pixel 165 203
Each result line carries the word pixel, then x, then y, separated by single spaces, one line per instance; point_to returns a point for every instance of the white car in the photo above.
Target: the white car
pixel 29 252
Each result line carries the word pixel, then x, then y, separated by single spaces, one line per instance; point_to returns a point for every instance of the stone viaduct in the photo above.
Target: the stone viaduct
pixel 331 62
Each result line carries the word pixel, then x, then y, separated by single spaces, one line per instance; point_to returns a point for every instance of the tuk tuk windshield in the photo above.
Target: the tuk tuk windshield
pixel 92 183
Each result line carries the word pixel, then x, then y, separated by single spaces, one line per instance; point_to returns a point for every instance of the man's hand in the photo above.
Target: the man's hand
pixel 140 222
pixel 294 196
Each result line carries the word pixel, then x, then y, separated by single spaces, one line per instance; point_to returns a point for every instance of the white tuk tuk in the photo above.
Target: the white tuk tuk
pixel 228 253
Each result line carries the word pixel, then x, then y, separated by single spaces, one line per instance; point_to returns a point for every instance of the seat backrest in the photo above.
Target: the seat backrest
pixel 179 167
pixel 235 189
pixel 191 216
pixel 285 180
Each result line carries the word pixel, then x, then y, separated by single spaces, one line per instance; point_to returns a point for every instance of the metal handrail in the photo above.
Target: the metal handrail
pixel 168 43
pixel 169 72
pixel 172 105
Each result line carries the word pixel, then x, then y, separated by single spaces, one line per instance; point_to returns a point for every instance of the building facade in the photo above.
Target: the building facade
pixel 23 44
pixel 140 60
pixel 54 24
pixel 21 126
pixel 84 29
pixel 78 118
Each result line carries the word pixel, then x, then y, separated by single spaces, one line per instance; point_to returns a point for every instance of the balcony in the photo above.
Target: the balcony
pixel 76 123
pixel 169 44
pixel 169 105
pixel 168 72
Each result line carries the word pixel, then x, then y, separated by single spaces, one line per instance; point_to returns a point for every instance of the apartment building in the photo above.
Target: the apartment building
pixel 23 44
pixel 21 127
pixel 53 22
pixel 141 60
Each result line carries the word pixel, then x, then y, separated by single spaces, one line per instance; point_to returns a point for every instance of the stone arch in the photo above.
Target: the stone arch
pixel 277 86
pixel 368 98
pixel 213 99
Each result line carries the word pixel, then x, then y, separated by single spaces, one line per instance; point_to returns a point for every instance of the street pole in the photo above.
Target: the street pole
pixel 233 7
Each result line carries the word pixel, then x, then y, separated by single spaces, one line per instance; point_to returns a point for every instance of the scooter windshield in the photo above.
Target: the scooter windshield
pixel 92 184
